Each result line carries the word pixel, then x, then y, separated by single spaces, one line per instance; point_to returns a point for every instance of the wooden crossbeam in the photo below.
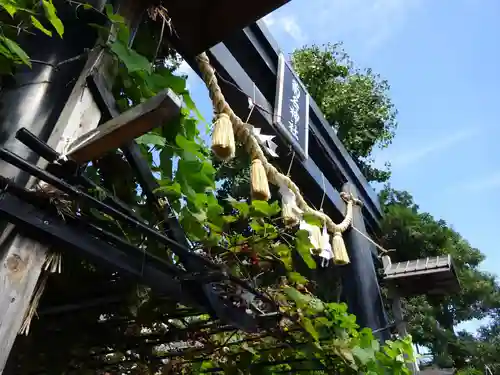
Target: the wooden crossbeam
pixel 137 121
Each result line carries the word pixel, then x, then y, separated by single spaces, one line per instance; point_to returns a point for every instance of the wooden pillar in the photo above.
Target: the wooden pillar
pixel 43 102
pixel 360 286
pixel 397 312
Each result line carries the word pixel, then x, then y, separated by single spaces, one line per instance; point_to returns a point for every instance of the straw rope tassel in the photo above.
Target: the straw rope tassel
pixel 223 144
pixel 243 133
pixel 340 255
pixel 259 183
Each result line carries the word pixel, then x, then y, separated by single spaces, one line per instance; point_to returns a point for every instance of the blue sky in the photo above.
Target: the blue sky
pixel 442 59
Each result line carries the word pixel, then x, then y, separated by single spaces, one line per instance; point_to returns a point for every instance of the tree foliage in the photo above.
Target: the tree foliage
pixel 355 102
pixel 246 237
pixel 357 105
pixel 432 320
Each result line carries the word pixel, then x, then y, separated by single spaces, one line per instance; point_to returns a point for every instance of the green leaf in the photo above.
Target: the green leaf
pixel 309 327
pixel 228 219
pixel 163 79
pixel 113 17
pixel 16 50
pixel 131 59
pixel 188 145
pixel 9 8
pixel 241 206
pixel 151 139
pixel 190 127
pixel 188 101
pixel 303 246
pixel 40 27
pixel 262 208
pixel 347 354
pixel 300 299
pixel 312 220
pixel 364 355
pixel 5 52
pixel 123 35
pixel 173 190
pixel 297 278
pixel 51 14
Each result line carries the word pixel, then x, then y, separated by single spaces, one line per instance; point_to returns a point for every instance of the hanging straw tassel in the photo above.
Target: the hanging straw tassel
pixel 223 144
pixel 260 185
pixel 340 256
pixel 290 212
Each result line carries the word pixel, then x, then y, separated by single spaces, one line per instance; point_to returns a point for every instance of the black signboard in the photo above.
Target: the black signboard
pixel 291 110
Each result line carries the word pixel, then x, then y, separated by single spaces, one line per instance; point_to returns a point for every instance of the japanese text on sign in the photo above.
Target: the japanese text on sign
pixel 294 110
pixel 291 111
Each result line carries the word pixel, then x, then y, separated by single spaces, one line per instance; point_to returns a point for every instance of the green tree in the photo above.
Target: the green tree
pixel 355 102
pixel 432 320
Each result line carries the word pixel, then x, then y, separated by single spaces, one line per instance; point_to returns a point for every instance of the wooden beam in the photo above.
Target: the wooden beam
pixel 23 258
pixel 124 128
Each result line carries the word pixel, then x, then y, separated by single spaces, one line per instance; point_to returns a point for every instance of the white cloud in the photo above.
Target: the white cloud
pixel 368 23
pixel 483 184
pixel 288 24
pixel 399 159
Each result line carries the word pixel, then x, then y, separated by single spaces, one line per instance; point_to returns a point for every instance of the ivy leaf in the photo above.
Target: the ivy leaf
pixel 247 348
pixel 16 50
pixel 190 127
pixel 51 14
pixel 284 253
pixel 173 190
pixel 40 27
pixel 151 139
pixel 312 220
pixel 228 219
pixel 131 59
pixel 347 354
pixel 241 206
pixel 9 8
pixel 262 208
pixel 303 246
pixel 301 300
pixel 364 355
pixel 163 78
pixel 309 327
pixel 5 52
pixel 188 145
pixel 296 278
pixel 113 17
pixel 191 106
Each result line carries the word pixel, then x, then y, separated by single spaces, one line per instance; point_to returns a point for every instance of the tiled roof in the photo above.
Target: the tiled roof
pixel 420 266
pixel 432 275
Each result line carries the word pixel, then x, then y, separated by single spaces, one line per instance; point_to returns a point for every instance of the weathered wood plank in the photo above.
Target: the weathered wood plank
pixel 22 258
pixel 126 127
pixel 14 253
pixel 21 269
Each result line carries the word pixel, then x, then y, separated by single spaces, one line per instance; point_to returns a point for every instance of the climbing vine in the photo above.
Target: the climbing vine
pixel 247 236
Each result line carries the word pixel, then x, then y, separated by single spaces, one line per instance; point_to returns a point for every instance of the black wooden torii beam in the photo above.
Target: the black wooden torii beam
pixel 247 67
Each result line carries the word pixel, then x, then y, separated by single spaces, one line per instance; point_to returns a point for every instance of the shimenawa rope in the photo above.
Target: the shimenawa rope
pixel 243 133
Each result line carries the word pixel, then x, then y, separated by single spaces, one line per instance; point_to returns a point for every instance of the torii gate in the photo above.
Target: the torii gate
pixel 53 105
